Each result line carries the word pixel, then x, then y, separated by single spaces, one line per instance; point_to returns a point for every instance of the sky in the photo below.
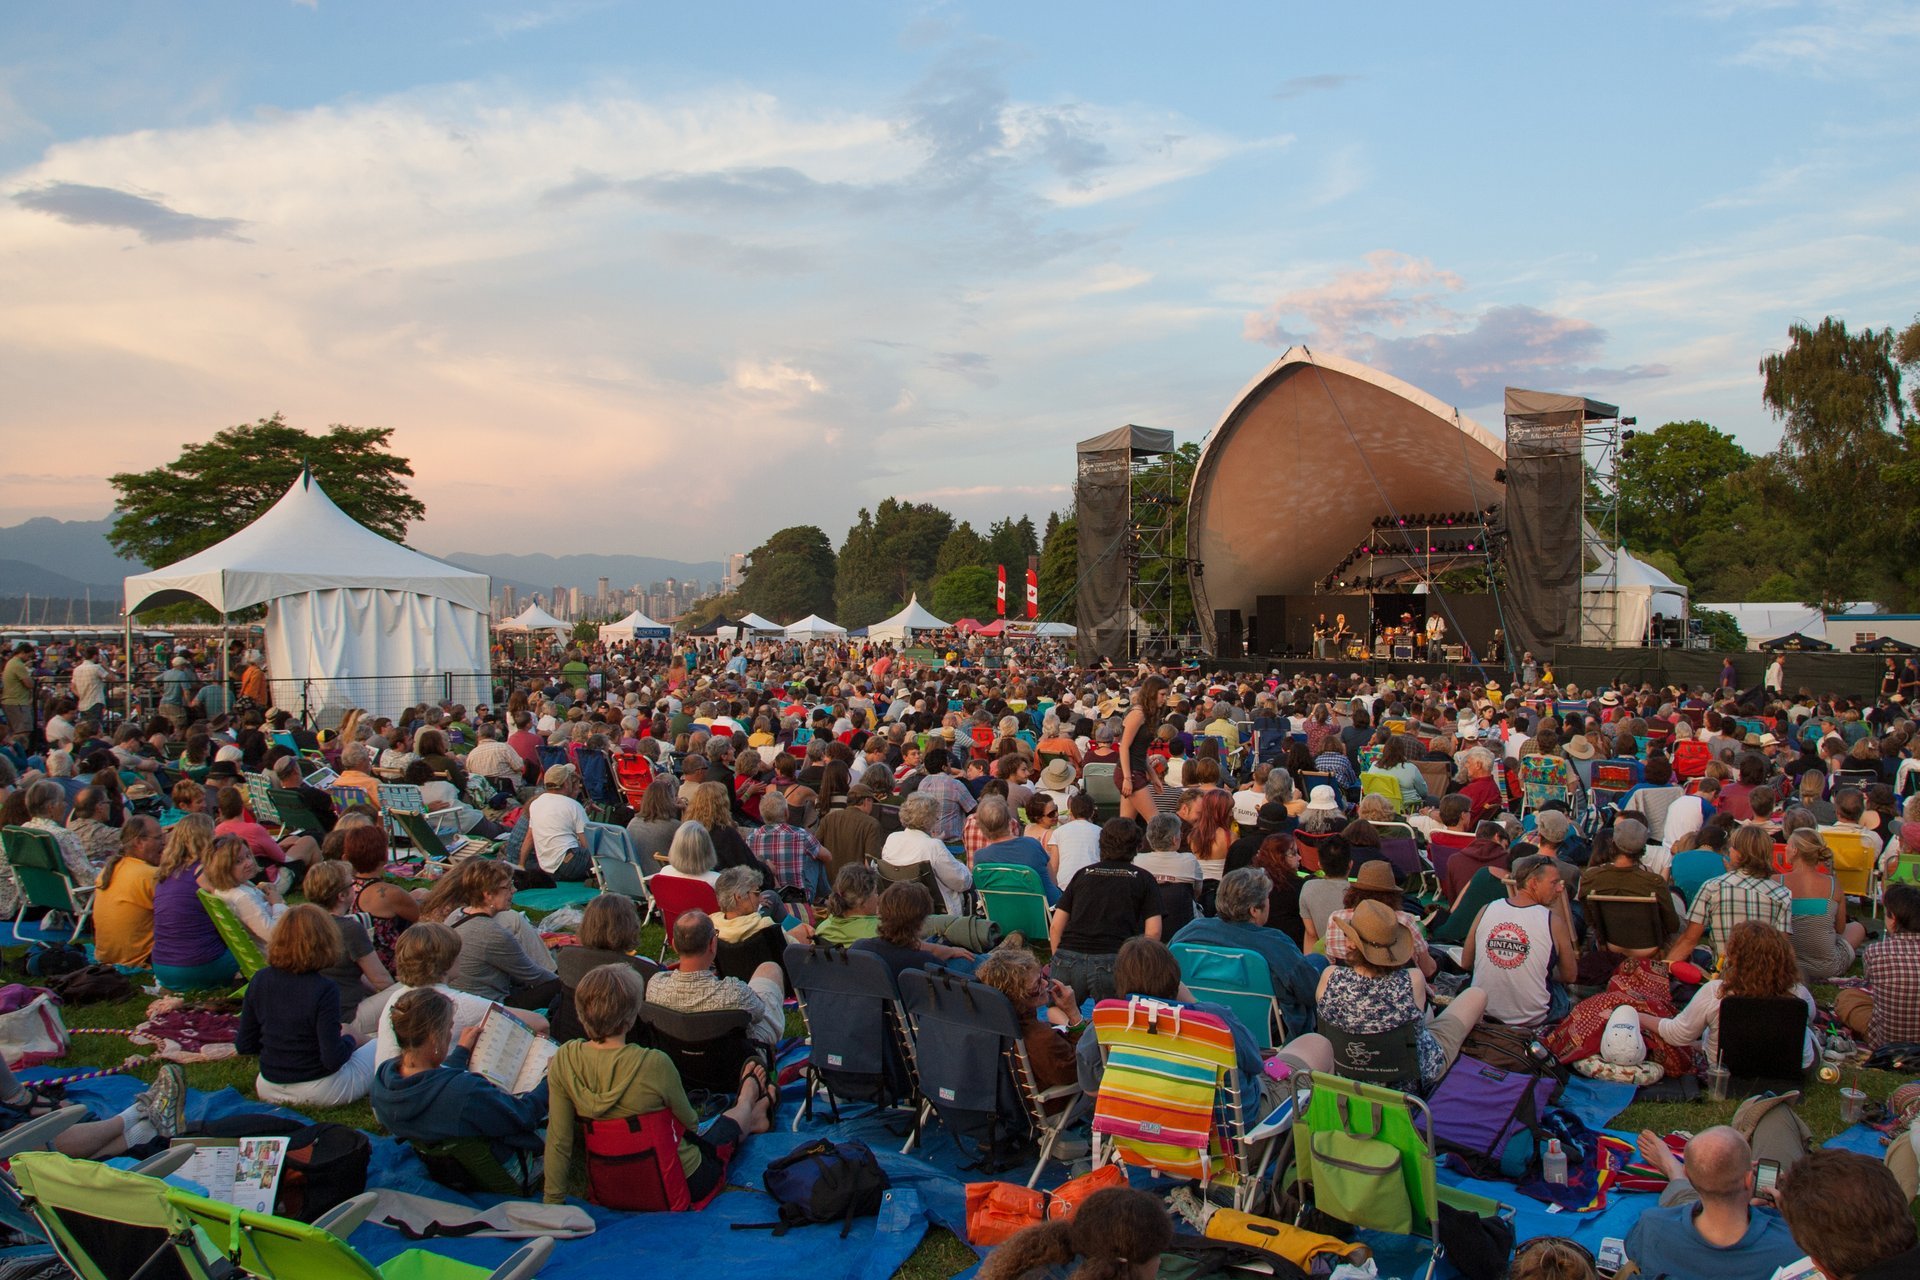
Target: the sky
pixel 664 279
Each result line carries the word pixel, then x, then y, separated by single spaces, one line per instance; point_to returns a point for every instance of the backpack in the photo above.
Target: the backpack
pixel 1196 1257
pixel 823 1181
pixel 326 1163
pixel 91 985
pixel 50 959
pixel 1479 1108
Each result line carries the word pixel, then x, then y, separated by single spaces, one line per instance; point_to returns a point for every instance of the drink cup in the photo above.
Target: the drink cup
pixel 1717 1080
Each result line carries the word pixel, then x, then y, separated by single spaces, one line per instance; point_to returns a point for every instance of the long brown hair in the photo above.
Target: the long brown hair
pixel 1152 697
pixel 1213 813
pixel 1759 962
pixel 1114 1231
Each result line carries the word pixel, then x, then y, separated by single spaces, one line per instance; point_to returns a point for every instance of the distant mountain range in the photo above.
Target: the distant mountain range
pixel 68 558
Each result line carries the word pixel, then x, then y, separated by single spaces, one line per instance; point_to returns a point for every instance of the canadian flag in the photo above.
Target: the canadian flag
pixel 1000 595
pixel 1033 595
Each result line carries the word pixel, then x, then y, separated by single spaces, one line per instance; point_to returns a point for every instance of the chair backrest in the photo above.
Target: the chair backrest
pixel 633 1164
pixel 1237 978
pixel 105 1223
pixel 1331 1104
pixel 964 1034
pixel 344 796
pixel 1631 923
pixel 294 814
pixel 708 1048
pixel 856 1024
pixel 246 951
pixel 1544 779
pixel 261 1244
pixel 1101 780
pixel 1852 860
pixel 39 868
pixel 1485 887
pixel 1905 869
pixel 1613 776
pixel 402 797
pixel 258 785
pixel 1442 845
pixel 677 895
pixel 1167 1084
pixel 1690 759
pixel 1390 1059
pixel 420 833
pixel 1763 1037
pixel 920 873
pixel 1013 897
pixel 617 875
pixel 1437 774
pixel 1367 755
pixel 1382 784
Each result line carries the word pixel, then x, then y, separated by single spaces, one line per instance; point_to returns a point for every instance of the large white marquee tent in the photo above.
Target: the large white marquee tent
pixel 904 623
pixel 635 626
pixel 353 619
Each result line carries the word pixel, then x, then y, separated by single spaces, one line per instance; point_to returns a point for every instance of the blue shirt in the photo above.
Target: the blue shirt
pixel 1022 851
pixel 1664 1242
pixel 1294 979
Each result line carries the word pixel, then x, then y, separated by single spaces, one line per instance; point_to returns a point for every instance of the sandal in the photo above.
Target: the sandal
pixel 38 1100
pixel 755 1070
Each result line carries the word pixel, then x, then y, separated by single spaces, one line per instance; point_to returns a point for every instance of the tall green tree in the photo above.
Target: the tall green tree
pixel 962 547
pixel 1836 394
pixel 216 488
pixel 790 575
pixel 1671 480
pixel 888 555
pixel 1060 570
pixel 966 592
pixel 1010 542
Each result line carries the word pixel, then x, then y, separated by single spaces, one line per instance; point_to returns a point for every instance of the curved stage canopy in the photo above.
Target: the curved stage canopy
pixel 1308 456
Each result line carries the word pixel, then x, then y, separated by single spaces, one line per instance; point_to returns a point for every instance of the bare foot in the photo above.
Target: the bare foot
pixel 1654 1150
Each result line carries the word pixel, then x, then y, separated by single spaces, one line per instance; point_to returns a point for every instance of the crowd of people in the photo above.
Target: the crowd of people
pixel 1400 855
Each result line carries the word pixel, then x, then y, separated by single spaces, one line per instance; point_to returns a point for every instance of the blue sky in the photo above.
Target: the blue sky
pixel 663 279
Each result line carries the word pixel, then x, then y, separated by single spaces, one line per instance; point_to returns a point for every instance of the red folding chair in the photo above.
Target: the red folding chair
pixel 634 1164
pixel 677 895
pixel 634 773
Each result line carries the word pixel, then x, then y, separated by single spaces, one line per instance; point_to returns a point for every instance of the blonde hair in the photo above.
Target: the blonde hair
pixel 425 953
pixel 220 867
pixel 305 940
pixel 710 807
pixel 326 883
pixel 187 844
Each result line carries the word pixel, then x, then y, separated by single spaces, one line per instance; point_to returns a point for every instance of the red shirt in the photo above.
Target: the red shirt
pixel 1487 801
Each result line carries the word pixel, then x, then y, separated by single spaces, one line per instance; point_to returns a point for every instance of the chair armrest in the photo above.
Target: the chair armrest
pixel 1058 1091
pixel 525 1262
pixel 348 1214
pixel 38 1134
pixel 162 1163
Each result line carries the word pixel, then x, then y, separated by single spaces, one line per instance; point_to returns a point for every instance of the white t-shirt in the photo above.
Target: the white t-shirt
pixel 90 685
pixel 468 1010
pixel 1512 961
pixel 1246 808
pixel 559 826
pixel 1078 843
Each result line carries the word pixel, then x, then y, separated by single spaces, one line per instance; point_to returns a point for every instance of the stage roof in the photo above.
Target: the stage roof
pixel 1308 455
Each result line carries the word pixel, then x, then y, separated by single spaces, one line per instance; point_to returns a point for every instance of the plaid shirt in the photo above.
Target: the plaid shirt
pixel 1335 762
pixel 955 803
pixel 1893 968
pixel 972 838
pixel 785 849
pixel 1733 898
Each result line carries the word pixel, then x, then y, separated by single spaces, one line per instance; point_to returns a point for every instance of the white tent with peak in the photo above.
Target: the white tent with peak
pixel 754 622
pixel 353 619
pixel 635 626
pixel 904 623
pixel 813 626
pixel 534 618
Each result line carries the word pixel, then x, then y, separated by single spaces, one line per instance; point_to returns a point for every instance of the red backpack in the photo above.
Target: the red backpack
pixel 634 1164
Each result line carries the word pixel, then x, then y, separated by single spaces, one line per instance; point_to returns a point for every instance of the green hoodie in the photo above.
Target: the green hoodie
pixel 585 1083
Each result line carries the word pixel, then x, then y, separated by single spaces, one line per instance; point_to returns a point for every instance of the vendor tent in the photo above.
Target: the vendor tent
pixel 904 623
pixel 722 626
pixel 1769 620
pixel 534 618
pixel 1884 645
pixel 353 619
pixel 811 626
pixel 754 622
pixel 1637 593
pixel 1795 643
pixel 1054 630
pixel 635 626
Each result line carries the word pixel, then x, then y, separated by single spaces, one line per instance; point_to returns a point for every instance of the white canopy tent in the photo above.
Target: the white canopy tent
pixel 353 619
pixel 811 627
pixel 754 622
pixel 1638 592
pixel 904 623
pixel 1770 620
pixel 534 618
pixel 635 626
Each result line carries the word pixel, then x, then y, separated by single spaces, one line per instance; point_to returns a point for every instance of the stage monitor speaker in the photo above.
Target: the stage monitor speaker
pixel 1226 631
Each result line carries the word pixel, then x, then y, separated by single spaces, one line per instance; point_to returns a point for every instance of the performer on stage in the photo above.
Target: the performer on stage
pixel 1436 638
pixel 1496 647
pixel 1342 634
pixel 1322 639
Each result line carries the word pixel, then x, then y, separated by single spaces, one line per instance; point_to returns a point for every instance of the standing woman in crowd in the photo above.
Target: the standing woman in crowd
pixel 1136 731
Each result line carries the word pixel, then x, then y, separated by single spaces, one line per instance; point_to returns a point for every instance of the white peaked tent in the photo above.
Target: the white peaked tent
pixel 352 618
pixel 534 618
pixel 813 626
pixel 904 623
pixel 635 626
pixel 1640 592
pixel 754 622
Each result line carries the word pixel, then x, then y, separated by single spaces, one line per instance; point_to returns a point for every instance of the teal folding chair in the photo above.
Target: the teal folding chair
pixel 1013 898
pixel 1239 979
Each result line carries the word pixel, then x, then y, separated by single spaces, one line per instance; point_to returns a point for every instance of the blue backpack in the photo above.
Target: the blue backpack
pixel 823 1181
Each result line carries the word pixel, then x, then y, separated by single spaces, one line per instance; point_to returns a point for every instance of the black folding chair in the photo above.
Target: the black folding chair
pixel 1626 924
pixel 1763 1037
pixel 708 1048
pixel 858 1046
pixel 1390 1059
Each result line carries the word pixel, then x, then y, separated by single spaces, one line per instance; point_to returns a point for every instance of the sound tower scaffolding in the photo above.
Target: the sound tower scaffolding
pixel 1124 513
pixel 1547 508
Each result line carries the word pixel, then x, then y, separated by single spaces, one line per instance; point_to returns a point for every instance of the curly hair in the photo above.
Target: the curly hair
pixel 1116 1230
pixel 1759 962
pixel 710 807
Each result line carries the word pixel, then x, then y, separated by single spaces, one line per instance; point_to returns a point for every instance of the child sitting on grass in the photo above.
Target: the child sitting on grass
pixel 427 1094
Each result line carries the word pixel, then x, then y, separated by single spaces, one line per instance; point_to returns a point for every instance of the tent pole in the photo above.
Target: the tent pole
pixel 126 658
pixel 225 658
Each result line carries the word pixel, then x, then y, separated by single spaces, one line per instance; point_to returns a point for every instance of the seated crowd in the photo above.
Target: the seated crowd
pixel 1401 861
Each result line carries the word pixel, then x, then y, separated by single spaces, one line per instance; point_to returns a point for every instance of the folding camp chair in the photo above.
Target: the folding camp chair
pixel 1367 755
pixel 397 798
pixel 1626 924
pixel 971 1070
pixel 1397 831
pixel 1690 759
pixel 1374 783
pixel 1442 845
pixel 1612 779
pixel 263 1245
pixel 858 1046
pixel 635 774
pixel 1389 1059
pixel 708 1048
pixel 430 845
pixel 1545 779
pixel 1905 870
pixel 677 895
pixel 258 799
pixel 920 873
pixel 1013 898
pixel 1334 1118
pixel 1485 887
pixel 44 878
pixel 291 807
pixel 1169 1099
pixel 470 1165
pixel 1102 782
pixel 106 1223
pixel 1239 979
pixel 1763 1037
pixel 246 951
pixel 343 797
pixel 1853 861
pixel 617 875
pixel 1437 774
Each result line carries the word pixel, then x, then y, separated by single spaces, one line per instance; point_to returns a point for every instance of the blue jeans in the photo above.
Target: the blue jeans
pixel 1090 976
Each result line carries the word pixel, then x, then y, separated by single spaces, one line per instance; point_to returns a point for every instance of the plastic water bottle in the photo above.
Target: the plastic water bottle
pixel 1553 1165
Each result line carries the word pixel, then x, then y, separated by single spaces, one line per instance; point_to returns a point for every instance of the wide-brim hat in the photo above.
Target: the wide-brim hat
pixel 1379 936
pixel 1610 699
pixel 1322 800
pixel 1377 874
pixel 1057 776
pixel 1580 748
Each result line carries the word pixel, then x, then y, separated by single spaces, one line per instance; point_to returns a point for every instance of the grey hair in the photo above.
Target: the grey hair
pixel 692 851
pixel 1279 785
pixel 773 808
pixel 1163 832
pixel 1240 892
pixel 738 888
pixel 60 763
pixel 46 799
pixel 1480 758
pixel 994 815
pixel 919 813
pixel 357 756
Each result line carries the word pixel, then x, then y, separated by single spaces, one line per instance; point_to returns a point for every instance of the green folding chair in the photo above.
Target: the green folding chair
pixel 1013 898
pixel 263 1245
pixel 1239 979
pixel 246 951
pixel 106 1223
pixel 428 843
pixel 44 878
pixel 1102 781
pixel 294 813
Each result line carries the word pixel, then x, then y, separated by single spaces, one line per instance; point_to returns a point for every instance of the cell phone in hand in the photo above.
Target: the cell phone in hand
pixel 1613 1255
pixel 1766 1175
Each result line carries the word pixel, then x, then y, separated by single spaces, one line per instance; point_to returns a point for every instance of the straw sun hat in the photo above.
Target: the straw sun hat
pixel 1379 937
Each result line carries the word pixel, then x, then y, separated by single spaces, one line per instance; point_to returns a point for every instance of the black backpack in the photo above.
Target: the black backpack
pixel 823 1181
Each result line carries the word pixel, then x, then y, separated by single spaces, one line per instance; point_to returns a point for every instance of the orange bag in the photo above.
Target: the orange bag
pixel 999 1210
pixel 1069 1196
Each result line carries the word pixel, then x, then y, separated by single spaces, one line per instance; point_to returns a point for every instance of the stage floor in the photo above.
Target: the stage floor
pixel 1373 669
